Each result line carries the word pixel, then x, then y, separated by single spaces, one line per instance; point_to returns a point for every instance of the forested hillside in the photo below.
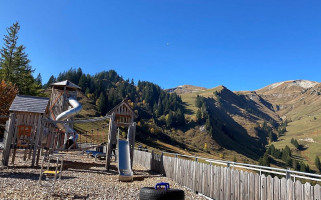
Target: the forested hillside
pixel 106 89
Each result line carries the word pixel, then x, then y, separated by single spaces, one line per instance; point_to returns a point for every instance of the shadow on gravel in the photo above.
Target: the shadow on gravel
pixel 31 176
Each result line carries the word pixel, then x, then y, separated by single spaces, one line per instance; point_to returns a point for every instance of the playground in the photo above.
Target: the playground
pixel 48 154
pixel 82 178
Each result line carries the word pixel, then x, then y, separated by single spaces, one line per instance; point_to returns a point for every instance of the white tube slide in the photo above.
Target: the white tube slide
pixel 124 164
pixel 76 108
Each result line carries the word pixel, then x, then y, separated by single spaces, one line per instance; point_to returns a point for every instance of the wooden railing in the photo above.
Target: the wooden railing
pixel 218 182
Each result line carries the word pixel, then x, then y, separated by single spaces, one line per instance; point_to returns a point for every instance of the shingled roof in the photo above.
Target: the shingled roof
pixel 29 104
pixel 66 83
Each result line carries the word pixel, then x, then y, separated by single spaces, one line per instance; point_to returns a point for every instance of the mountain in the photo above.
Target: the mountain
pixel 238 117
pixel 215 122
pixel 186 89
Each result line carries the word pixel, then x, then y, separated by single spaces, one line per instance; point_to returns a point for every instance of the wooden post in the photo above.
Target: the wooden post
pixel 111 140
pixel 36 142
pixel 8 135
pixel 131 141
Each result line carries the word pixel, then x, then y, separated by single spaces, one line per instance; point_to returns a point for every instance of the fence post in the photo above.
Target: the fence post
pixel 288 174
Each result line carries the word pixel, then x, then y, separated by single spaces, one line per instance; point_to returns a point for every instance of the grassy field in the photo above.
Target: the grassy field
pixel 307 131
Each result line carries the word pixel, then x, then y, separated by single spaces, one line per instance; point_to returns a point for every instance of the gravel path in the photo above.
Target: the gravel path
pixel 82 177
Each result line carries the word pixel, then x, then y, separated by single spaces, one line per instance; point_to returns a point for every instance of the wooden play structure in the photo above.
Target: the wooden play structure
pixel 121 116
pixel 42 126
pixel 24 127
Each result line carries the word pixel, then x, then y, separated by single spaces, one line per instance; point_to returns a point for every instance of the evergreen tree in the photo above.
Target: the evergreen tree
pixel 169 119
pixel 266 161
pixel 14 63
pixel 198 116
pixel 101 104
pixel 317 163
pixel 39 79
pixel 302 167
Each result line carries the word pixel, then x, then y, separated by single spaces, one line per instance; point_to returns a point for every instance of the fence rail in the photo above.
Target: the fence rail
pixel 220 182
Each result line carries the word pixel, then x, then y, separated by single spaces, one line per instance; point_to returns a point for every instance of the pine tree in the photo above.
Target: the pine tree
pixel 302 167
pixel 317 163
pixel 101 104
pixel 198 116
pixel 14 63
pixel 169 119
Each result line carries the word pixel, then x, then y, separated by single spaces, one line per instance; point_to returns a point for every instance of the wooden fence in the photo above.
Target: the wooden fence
pixel 226 183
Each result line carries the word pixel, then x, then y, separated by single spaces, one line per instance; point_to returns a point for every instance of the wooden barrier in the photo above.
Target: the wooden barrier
pixel 226 183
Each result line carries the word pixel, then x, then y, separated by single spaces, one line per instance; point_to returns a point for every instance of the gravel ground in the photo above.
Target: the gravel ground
pixel 82 178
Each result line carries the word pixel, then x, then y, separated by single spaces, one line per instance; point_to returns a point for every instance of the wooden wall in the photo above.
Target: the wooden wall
pixel 225 183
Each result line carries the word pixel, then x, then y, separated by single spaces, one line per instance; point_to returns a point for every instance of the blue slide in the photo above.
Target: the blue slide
pixel 124 166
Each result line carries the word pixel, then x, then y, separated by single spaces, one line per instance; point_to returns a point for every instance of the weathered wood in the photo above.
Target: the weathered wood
pixel 283 189
pixel 232 184
pixel 222 182
pixel 257 185
pixel 111 140
pixel 251 186
pixel 290 190
pixel 227 184
pixel 36 142
pixel 276 186
pixel 298 190
pixel 317 192
pixel 217 182
pixel 269 188
pixel 307 191
pixel 237 184
pixel 263 187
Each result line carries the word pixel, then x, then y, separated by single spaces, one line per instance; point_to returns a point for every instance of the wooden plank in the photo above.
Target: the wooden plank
pixel 277 187
pixel 269 188
pixel 194 176
pixel 35 147
pixel 317 192
pixel 217 182
pixel 228 184
pixel 237 185
pixel 242 186
pixel 251 186
pixel 283 189
pixel 263 187
pixel 298 190
pixel 232 184
pixel 212 181
pixel 209 180
pixel 290 190
pixel 257 186
pixel 246 185
pixel 202 176
pixel 307 191
pixel 8 138
pixel 222 183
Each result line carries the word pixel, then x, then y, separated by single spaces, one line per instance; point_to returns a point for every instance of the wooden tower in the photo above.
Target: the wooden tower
pixel 60 92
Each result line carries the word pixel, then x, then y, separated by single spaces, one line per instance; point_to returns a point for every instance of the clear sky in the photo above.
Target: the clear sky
pixel 242 44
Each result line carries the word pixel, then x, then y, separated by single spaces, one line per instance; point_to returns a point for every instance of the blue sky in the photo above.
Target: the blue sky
pixel 242 44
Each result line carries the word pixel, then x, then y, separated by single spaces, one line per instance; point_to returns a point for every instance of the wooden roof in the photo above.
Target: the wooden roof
pixel 124 102
pixel 29 104
pixel 66 83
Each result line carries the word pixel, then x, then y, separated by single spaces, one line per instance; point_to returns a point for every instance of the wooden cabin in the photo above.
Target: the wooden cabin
pixel 24 127
pixel 124 114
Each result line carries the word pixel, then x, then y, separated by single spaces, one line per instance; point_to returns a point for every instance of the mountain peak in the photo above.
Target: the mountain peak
pixel 304 84
pixel 182 89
